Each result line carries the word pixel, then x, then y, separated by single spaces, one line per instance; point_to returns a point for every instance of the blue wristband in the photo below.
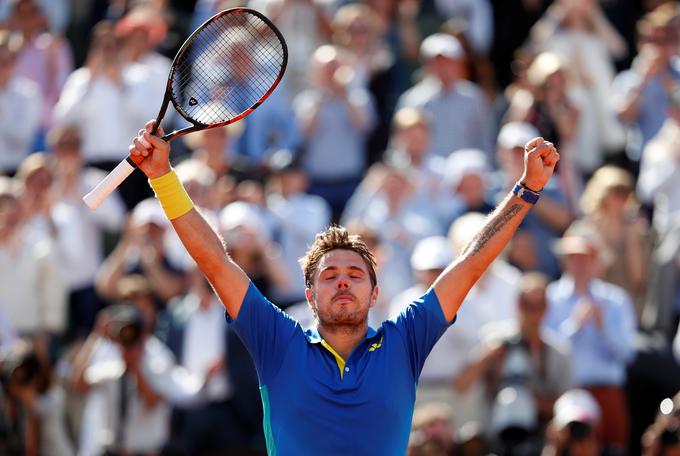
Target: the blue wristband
pixel 525 194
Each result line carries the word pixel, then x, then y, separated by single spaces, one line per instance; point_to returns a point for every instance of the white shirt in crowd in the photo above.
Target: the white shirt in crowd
pixel 79 231
pixel 32 291
pixel 204 343
pixel 108 113
pixel 20 111
pixel 145 429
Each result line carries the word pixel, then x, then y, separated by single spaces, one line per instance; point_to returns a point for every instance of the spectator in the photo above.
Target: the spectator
pixel 34 405
pixel 387 202
pixel 108 98
pixel 251 246
pixel 131 378
pixel 642 90
pixel 141 30
pixel 459 113
pixel 599 320
pixel 335 118
pixel 583 36
pixel 18 127
pixel 661 310
pixel 228 421
pixel 432 431
pixel 80 232
pixel 573 430
pixel 550 104
pixel 657 184
pixel 298 215
pixel 478 19
pixel 531 248
pixel 270 128
pixel 466 185
pixel 357 32
pixel 663 436
pixel 608 205
pixel 55 13
pixel 142 249
pixel 408 151
pixel 306 25
pixel 399 29
pixel 44 57
pixel 32 291
pixel 214 147
pixel 520 357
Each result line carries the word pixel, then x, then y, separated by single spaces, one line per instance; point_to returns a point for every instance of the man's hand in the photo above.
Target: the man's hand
pixel 150 152
pixel 540 158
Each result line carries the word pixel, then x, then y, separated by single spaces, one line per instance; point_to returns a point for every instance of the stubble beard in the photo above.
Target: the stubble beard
pixel 342 320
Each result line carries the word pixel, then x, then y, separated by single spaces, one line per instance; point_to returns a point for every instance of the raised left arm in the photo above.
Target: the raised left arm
pixel 455 282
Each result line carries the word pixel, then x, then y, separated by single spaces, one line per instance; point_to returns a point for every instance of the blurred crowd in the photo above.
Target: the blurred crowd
pixel 404 120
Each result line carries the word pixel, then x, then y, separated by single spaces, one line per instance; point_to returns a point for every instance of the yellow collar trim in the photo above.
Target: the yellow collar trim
pixel 338 359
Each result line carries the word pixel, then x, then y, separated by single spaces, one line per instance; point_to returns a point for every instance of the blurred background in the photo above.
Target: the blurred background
pixel 404 120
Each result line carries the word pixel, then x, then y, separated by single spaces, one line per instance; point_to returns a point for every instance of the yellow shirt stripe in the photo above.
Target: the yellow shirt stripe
pixel 338 359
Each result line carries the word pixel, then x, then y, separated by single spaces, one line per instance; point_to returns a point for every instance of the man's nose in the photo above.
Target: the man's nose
pixel 342 284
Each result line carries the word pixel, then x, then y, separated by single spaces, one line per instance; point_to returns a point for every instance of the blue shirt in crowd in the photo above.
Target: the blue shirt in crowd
pixel 314 402
pixel 599 355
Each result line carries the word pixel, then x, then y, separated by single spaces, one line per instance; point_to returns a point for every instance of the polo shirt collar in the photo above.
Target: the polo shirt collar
pixel 313 336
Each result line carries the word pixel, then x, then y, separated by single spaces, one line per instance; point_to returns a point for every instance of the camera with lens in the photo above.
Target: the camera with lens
pixel 126 324
pixel 670 436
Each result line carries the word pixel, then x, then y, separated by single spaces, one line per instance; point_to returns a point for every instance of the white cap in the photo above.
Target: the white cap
pixel 441 44
pixel 245 215
pixel 576 405
pixel 433 252
pixel 149 211
pixel 463 162
pixel 516 134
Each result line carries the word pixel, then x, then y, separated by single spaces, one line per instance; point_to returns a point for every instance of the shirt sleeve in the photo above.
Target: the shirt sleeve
pixel 421 324
pixel 265 330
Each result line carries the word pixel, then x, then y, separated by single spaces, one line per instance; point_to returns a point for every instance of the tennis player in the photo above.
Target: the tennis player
pixel 340 388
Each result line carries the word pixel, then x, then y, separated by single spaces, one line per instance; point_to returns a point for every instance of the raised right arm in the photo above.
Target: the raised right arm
pixel 204 245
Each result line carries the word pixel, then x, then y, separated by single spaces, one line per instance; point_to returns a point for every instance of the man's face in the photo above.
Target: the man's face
pixel 342 293
pixel 532 306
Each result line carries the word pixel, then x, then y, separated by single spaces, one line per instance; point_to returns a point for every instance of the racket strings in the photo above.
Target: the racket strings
pixel 230 65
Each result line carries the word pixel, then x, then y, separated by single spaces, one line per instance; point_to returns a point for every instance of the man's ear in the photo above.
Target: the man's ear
pixel 374 297
pixel 308 295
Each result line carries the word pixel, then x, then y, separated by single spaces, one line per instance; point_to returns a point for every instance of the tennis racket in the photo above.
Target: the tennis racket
pixel 222 73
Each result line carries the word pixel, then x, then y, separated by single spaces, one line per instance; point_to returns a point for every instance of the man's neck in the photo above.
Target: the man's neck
pixel 343 338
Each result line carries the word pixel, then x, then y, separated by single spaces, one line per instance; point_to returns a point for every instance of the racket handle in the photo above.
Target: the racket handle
pixel 109 184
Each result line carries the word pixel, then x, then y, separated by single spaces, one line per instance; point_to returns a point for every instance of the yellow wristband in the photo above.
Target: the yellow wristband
pixel 171 194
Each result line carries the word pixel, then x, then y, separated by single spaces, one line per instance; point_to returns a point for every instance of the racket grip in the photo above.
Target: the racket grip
pixel 109 184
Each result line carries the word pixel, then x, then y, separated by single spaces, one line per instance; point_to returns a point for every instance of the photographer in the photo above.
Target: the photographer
pixel 521 362
pixel 31 406
pixel 131 379
pixel 573 429
pixel 662 438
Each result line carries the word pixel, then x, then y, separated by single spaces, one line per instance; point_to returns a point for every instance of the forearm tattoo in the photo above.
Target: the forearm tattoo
pixel 491 228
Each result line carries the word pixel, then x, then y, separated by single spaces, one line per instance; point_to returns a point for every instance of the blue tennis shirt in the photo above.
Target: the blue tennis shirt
pixel 316 403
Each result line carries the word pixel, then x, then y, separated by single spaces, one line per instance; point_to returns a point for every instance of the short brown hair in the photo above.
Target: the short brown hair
pixel 336 238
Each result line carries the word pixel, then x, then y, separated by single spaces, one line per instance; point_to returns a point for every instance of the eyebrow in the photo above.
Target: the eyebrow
pixel 335 268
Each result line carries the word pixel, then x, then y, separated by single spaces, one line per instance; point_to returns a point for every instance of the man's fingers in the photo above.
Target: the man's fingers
pixel 154 141
pixel 533 143
pixel 143 150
